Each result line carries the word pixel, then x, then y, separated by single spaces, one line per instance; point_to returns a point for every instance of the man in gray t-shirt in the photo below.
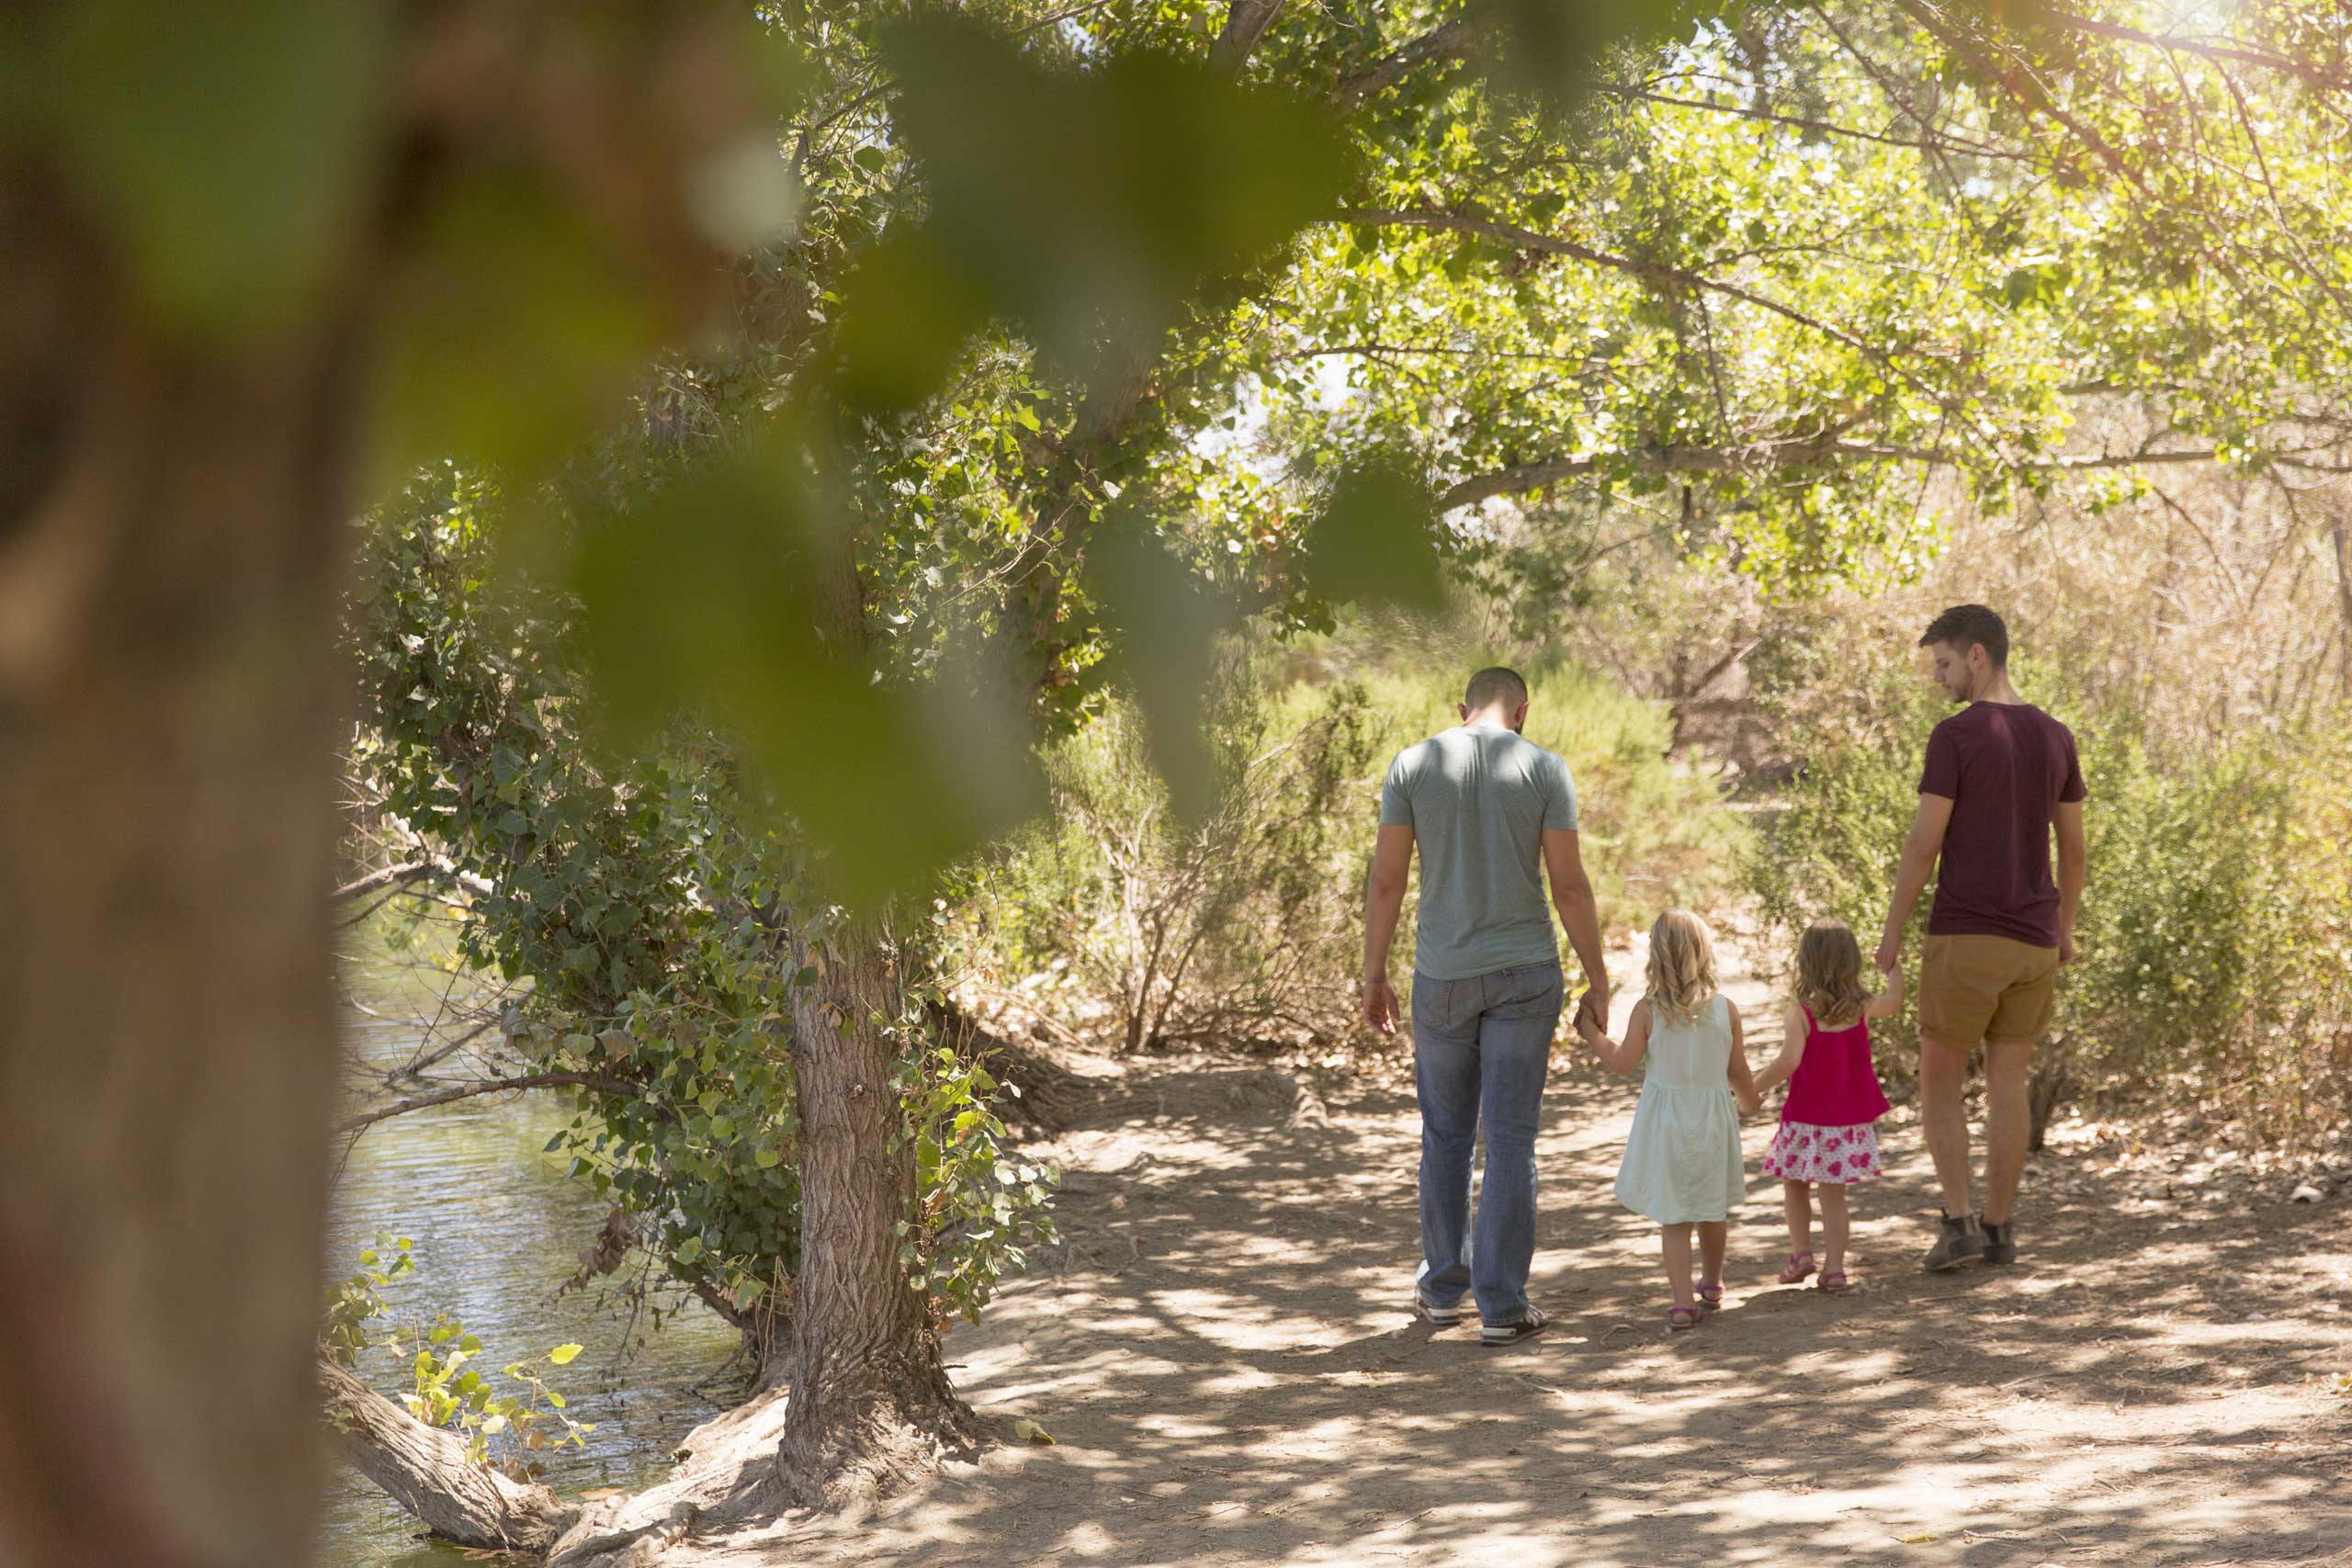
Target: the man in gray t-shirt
pixel 1491 813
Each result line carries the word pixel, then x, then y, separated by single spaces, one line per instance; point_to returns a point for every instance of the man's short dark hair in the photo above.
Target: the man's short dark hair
pixel 1964 625
pixel 1494 684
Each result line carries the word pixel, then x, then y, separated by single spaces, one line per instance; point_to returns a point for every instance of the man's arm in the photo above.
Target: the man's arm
pixel 1580 912
pixel 1925 842
pixel 1384 901
pixel 2074 861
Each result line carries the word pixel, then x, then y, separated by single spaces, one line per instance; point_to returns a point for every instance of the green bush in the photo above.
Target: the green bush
pixel 1239 927
pixel 1247 925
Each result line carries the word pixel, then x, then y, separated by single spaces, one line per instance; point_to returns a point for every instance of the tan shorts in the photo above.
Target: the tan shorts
pixel 1976 988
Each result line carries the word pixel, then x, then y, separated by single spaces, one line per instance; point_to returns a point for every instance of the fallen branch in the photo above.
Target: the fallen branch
pixel 431 1473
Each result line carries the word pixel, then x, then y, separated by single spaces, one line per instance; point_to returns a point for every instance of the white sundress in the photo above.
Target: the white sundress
pixel 1682 1160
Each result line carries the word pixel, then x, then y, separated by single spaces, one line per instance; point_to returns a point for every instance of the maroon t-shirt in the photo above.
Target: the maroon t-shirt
pixel 2005 767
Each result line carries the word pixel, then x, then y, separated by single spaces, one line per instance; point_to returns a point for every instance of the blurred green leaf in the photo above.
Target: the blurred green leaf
pixel 722 594
pixel 1083 206
pixel 1374 539
pixel 1169 622
pixel 229 142
pixel 910 309
pixel 1547 48
pixel 517 328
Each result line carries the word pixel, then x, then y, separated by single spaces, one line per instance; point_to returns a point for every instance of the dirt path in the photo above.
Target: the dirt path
pixel 1222 1351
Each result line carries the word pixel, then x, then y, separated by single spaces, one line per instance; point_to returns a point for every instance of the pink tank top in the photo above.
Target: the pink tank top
pixel 1835 1086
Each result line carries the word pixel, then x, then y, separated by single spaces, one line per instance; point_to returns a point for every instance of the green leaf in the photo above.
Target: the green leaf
pixel 562 1354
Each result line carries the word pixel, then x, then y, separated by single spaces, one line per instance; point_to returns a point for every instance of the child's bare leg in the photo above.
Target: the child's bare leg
pixel 1713 1234
pixel 1833 1226
pixel 1797 1204
pixel 1677 1239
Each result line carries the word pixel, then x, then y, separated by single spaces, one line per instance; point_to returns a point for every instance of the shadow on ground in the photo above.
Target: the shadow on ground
pixel 1221 1349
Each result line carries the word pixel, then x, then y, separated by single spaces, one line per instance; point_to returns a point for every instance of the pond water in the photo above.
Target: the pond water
pixel 495 1224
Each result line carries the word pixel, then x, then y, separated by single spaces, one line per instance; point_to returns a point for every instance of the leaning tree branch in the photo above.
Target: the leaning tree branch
pixel 488 1085
pixel 1245 22
pixel 435 870
pixel 1455 40
pixel 1661 273
pixel 2000 66
pixel 2203 49
pixel 1520 477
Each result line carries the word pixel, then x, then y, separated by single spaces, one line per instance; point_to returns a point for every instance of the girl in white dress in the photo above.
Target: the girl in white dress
pixel 1682 1165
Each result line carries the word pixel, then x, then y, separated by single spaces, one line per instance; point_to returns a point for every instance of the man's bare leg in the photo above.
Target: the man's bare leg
pixel 2007 1122
pixel 1943 1117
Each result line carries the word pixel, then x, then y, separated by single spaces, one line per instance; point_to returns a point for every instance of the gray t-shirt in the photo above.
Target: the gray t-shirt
pixel 1478 800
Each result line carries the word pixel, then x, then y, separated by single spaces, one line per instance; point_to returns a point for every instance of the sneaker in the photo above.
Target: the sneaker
pixel 1429 1310
pixel 1960 1242
pixel 1512 1333
pixel 2001 1242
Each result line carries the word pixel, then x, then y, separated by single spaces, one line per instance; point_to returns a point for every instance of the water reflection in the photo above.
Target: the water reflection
pixel 496 1226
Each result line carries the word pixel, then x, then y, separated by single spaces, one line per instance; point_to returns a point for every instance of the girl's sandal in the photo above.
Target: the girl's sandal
pixel 1800 1265
pixel 1711 1296
pixel 1678 1318
pixel 1833 1281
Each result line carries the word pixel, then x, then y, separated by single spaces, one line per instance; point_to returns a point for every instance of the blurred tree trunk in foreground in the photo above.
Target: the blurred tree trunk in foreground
pixel 170 524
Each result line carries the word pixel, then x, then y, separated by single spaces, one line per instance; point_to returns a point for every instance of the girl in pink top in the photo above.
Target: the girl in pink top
pixel 1828 1136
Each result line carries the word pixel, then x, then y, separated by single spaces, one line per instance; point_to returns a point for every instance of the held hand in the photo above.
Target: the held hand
pixel 1890 953
pixel 1380 1004
pixel 1749 1103
pixel 1593 1007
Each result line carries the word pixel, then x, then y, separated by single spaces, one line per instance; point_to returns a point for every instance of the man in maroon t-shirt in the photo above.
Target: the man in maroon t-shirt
pixel 2001 775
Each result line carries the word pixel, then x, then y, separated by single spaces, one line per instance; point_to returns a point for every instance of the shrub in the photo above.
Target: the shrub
pixel 1239 926
pixel 1247 926
pixel 2212 948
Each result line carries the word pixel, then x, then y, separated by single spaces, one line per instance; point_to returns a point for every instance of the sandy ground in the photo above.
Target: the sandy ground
pixel 1222 1349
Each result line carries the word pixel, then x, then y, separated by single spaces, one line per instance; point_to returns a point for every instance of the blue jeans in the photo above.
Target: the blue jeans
pixel 1481 1048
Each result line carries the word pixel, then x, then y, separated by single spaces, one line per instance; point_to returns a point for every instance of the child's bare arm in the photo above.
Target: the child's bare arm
pixel 1617 1057
pixel 1743 1084
pixel 1782 1067
pixel 1889 1001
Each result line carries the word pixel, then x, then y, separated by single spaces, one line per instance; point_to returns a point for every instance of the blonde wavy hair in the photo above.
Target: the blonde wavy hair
pixel 1682 965
pixel 1829 974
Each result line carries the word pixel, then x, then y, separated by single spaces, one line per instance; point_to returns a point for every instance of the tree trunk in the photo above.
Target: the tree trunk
pixel 427 1471
pixel 170 543
pixel 870 1401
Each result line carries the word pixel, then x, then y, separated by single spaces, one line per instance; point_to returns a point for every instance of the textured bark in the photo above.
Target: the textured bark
pixel 427 1471
pixel 870 1401
pixel 171 518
